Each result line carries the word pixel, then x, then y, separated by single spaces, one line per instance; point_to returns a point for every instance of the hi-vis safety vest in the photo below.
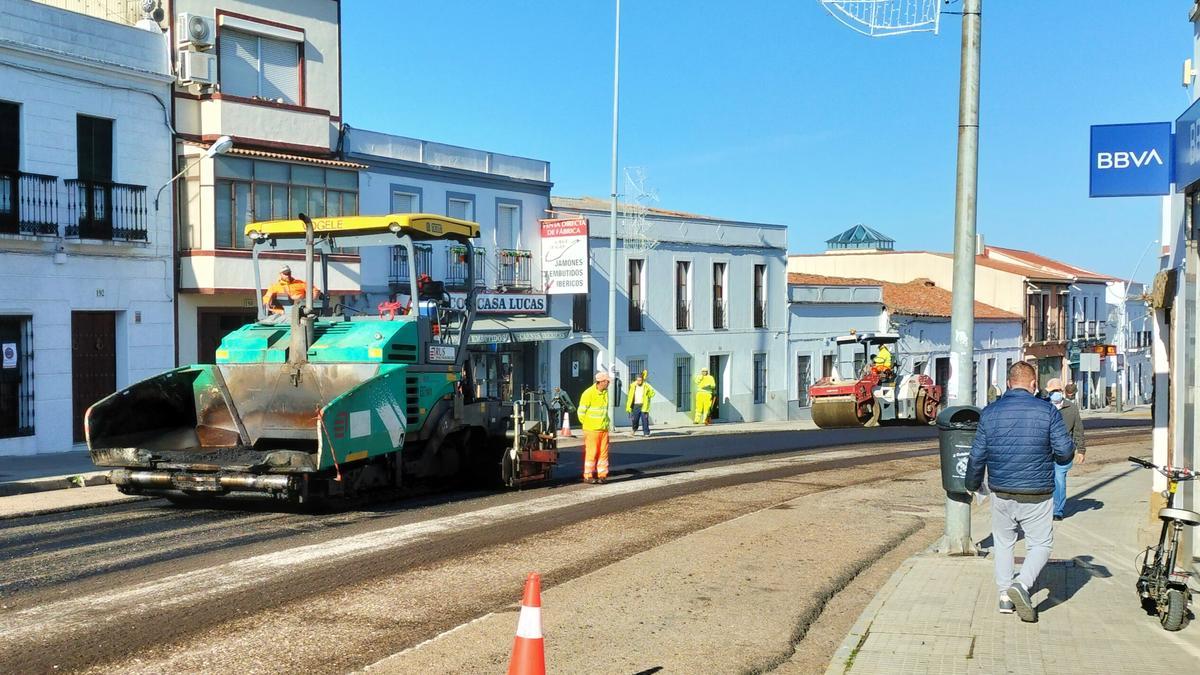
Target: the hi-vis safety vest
pixel 593 409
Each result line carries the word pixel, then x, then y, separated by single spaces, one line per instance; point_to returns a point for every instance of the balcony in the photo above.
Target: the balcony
pixel 400 275
pixel 513 267
pixel 28 203
pixel 456 267
pixel 104 210
pixel 720 314
pixel 683 316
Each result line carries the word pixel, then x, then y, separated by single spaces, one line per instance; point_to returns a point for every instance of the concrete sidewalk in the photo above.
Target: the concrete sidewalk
pixel 48 471
pixel 938 614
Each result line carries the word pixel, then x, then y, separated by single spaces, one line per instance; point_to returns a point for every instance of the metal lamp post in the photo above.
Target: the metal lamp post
pixel 612 225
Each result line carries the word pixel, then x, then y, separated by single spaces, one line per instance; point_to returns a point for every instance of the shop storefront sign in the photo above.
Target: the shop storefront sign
pixel 503 303
pixel 1187 148
pixel 1130 160
pixel 565 256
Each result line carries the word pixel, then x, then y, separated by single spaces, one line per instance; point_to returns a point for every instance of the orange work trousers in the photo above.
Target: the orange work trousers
pixel 595 454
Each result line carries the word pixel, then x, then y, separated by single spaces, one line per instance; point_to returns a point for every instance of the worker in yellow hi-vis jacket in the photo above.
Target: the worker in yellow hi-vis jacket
pixel 593 416
pixel 706 393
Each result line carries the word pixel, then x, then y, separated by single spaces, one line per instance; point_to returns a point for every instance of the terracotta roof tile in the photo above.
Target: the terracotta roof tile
pixel 915 298
pixel 1042 261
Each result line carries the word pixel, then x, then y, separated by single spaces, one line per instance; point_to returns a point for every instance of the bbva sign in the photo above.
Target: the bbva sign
pixel 1130 160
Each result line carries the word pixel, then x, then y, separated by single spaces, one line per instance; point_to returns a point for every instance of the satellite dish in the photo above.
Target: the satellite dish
pixel 879 18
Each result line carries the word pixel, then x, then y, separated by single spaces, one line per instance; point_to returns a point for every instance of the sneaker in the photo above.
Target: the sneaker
pixel 1019 595
pixel 1006 605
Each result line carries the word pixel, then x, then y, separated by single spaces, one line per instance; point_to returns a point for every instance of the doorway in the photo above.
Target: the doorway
pixel 214 325
pixel 941 373
pixel 803 375
pixel 1048 369
pixel 93 362
pixel 716 368
pixel 575 368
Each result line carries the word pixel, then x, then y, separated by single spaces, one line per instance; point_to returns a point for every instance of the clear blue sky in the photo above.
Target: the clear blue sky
pixel 771 111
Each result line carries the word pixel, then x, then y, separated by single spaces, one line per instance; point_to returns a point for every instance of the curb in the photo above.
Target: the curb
pixel 862 627
pixel 48 483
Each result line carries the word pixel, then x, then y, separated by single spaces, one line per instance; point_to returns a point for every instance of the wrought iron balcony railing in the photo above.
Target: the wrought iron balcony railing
pixel 401 271
pixel 683 316
pixel 720 314
pixel 760 315
pixel 513 268
pixel 28 203
pixel 104 210
pixel 636 316
pixel 456 267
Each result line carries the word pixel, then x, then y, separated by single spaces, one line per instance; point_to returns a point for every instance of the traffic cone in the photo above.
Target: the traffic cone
pixel 565 432
pixel 529 649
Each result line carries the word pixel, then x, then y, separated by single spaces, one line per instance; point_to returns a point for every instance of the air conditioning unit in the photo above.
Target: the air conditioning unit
pixel 197 67
pixel 195 31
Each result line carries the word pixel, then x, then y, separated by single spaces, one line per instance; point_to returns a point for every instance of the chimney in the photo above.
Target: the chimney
pixel 980 247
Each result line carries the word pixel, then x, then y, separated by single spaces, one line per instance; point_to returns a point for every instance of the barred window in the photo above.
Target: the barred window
pixel 683 383
pixel 760 377
pixel 16 376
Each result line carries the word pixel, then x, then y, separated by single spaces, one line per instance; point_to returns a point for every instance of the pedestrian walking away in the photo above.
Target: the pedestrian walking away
pixel 706 393
pixel 1020 440
pixel 637 404
pixel 1074 422
pixel 593 416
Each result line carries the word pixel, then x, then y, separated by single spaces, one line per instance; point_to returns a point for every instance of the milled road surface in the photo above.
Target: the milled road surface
pixel 227 590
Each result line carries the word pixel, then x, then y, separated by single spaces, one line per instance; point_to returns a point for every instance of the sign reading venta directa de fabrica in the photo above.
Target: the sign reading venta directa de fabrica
pixel 1130 160
pixel 565 256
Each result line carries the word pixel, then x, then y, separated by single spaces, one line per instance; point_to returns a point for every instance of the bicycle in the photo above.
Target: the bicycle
pixel 1161 585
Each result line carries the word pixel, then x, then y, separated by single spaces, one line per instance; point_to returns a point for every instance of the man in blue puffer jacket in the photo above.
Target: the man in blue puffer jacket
pixel 1020 439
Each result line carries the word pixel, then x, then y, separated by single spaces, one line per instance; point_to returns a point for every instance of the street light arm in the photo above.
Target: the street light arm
pixel 219 147
pixel 174 178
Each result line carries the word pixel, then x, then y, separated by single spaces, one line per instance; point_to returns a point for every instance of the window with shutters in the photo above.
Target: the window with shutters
pixel 461 206
pixel 508 223
pixel 406 199
pixel 256 66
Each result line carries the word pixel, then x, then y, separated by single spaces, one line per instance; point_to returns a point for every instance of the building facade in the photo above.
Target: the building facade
pixel 86 274
pixel 266 73
pixel 507 196
pixel 692 292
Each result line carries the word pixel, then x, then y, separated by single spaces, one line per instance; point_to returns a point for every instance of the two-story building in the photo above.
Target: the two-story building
pixel 266 73
pixel 692 292
pixel 507 196
pixel 86 273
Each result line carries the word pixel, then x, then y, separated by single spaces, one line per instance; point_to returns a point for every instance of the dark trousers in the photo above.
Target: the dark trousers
pixel 636 415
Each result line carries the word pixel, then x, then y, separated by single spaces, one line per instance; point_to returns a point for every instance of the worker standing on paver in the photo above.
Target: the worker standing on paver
pixel 637 404
pixel 286 291
pixel 593 416
pixel 1074 424
pixel 706 392
pixel 1019 441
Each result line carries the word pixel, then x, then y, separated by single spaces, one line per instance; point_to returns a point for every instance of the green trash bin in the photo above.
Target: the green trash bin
pixel 956 432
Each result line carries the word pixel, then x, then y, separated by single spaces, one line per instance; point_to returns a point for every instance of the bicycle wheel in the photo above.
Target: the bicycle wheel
pixel 1172 619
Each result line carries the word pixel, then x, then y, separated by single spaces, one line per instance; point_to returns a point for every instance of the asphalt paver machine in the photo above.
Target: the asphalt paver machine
pixel 859 394
pixel 308 404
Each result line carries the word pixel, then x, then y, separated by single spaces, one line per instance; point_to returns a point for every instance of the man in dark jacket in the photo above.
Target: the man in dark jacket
pixel 1020 439
pixel 1074 424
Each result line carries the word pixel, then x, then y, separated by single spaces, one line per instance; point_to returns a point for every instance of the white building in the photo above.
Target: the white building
pixel 1130 329
pixel 86 281
pixel 692 292
pixel 506 195
pixel 823 308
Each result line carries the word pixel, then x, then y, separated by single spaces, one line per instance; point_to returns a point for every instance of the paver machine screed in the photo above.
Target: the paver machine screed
pixel 307 405
pixel 871 395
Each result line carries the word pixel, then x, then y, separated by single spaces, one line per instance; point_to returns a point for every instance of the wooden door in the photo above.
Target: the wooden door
pixel 715 369
pixel 93 362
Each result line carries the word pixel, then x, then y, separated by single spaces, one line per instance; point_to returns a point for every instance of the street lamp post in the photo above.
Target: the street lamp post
pixel 612 223
pixel 219 147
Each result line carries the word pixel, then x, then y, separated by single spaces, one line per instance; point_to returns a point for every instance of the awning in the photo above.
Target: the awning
pixel 510 329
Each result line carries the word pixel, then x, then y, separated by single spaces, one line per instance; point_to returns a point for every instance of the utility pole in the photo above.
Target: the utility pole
pixel 612 229
pixel 957 539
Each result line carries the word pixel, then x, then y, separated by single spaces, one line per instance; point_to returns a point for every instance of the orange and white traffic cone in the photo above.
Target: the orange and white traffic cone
pixel 565 432
pixel 529 649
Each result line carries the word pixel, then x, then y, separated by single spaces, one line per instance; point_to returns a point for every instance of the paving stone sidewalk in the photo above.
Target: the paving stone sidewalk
pixel 938 614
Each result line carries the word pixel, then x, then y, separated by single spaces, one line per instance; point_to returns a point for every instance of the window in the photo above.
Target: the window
pixel 636 294
pixel 252 190
pixel 683 383
pixel 461 206
pixel 683 295
pixel 406 199
pixel 16 376
pixel 760 296
pixel 256 66
pixel 579 312
pixel 508 223
pixel 720 319
pixel 636 366
pixel 10 165
pixel 803 379
pixel 827 365
pixel 94 157
pixel 974 382
pixel 760 378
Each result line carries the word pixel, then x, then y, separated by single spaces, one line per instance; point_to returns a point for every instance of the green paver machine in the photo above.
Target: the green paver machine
pixel 304 405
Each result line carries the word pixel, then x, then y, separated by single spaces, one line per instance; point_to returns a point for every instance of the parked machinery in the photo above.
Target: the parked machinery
pixel 871 395
pixel 305 405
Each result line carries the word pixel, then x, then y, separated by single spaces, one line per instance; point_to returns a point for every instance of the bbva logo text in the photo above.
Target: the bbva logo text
pixel 1124 160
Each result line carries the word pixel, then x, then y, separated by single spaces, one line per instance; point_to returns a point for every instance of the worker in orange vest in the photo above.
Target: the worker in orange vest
pixel 286 291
